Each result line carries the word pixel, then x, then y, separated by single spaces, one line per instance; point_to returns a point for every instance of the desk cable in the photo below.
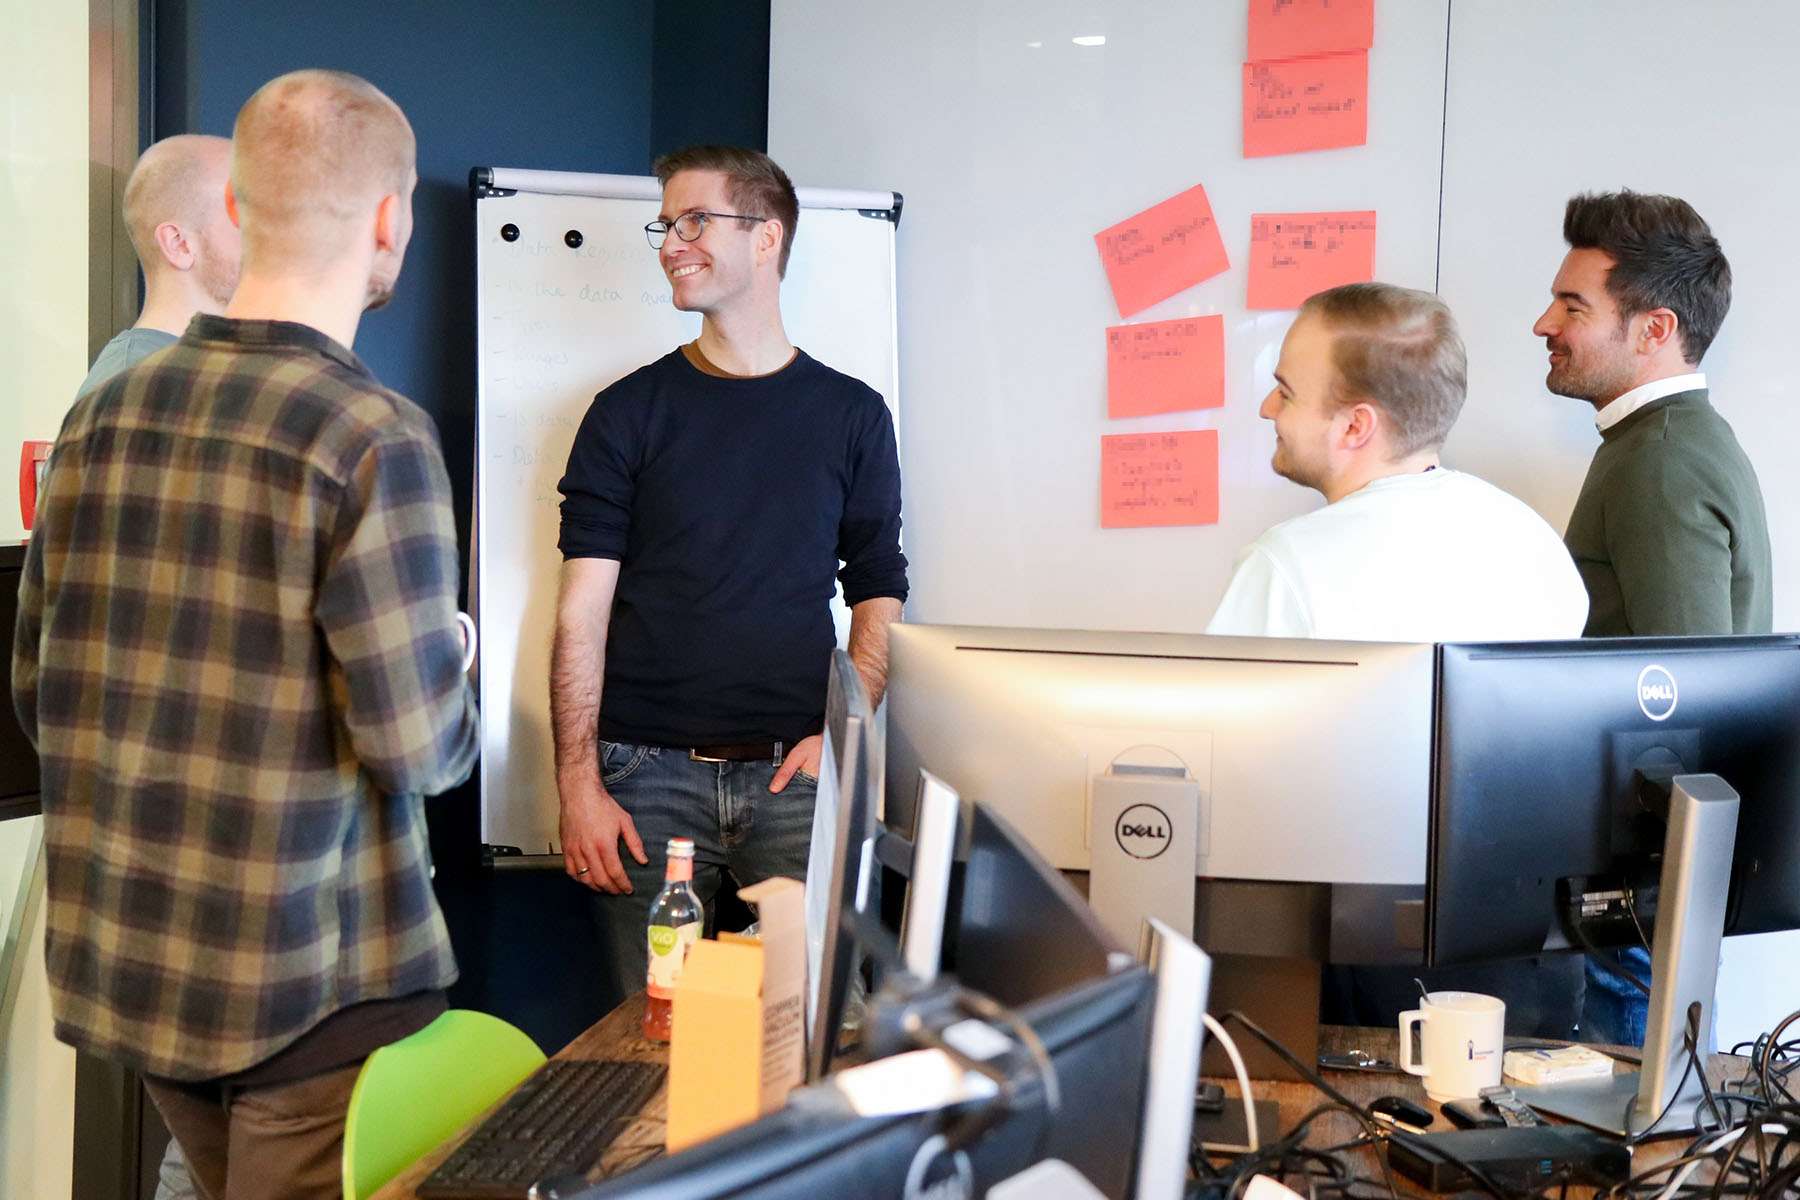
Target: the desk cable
pixel 1243 1080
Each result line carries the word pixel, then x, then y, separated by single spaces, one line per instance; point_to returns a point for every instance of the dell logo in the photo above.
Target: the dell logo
pixel 1656 693
pixel 1142 831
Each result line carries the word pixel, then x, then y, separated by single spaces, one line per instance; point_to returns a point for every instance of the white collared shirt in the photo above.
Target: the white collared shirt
pixel 1617 410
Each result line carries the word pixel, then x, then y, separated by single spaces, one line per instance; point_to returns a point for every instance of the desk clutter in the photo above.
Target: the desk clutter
pixel 1009 1039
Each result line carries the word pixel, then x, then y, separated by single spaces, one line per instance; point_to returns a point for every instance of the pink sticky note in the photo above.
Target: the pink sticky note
pixel 1161 251
pixel 1165 366
pixel 1290 28
pixel 1293 255
pixel 1159 479
pixel 1316 103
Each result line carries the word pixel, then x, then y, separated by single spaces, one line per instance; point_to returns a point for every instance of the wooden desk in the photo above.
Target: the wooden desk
pixel 617 1036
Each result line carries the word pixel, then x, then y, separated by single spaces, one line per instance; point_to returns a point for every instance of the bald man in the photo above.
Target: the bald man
pixel 238 654
pixel 186 244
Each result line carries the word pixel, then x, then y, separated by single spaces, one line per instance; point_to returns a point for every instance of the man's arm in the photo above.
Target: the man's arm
pixel 869 623
pixel 874 571
pixel 386 605
pixel 592 823
pixel 1669 546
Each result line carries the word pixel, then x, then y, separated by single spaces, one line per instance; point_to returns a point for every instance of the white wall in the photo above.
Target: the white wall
pixel 43 356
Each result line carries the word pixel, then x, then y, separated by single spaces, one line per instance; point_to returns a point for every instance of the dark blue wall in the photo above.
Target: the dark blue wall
pixel 709 82
pixel 579 85
pixel 561 86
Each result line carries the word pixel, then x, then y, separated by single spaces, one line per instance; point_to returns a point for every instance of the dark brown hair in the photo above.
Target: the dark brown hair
pixel 1664 256
pixel 753 182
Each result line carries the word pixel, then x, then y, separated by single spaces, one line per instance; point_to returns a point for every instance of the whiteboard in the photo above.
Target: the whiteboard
pixel 557 324
pixel 1014 146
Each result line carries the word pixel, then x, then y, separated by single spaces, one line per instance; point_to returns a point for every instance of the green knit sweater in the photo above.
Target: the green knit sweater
pixel 1669 532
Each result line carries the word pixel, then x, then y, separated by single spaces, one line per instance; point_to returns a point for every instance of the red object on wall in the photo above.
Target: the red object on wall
pixel 32 458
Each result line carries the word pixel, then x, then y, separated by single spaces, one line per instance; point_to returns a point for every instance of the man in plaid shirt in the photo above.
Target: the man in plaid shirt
pixel 238 654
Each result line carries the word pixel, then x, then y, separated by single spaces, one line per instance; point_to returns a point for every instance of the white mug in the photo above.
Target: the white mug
pixel 1462 1038
pixel 467 625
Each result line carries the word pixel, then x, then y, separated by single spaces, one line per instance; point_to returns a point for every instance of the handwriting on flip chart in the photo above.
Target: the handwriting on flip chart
pixel 1165 366
pixel 1290 28
pixel 1293 255
pixel 1150 479
pixel 1163 250
pixel 1315 103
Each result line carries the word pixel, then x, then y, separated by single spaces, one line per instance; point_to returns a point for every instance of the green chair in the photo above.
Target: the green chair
pixel 422 1089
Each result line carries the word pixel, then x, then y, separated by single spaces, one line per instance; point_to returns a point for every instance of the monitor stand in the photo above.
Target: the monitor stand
pixel 1684 966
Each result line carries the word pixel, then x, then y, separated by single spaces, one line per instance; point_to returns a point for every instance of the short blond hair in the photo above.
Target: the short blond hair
pixel 311 150
pixel 1399 349
pixel 180 179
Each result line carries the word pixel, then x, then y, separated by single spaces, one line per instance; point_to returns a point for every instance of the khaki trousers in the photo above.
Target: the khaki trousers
pixel 284 1140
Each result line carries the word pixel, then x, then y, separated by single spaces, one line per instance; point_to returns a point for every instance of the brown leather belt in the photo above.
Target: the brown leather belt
pixel 740 752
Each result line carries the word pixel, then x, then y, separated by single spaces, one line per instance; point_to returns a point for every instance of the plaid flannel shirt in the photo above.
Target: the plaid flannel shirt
pixel 238 655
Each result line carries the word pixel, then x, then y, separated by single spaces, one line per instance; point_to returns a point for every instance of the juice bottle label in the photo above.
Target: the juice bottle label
pixel 668 948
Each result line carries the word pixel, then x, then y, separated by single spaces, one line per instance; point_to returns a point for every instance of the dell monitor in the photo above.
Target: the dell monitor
pixel 1608 792
pixel 1298 776
pixel 838 863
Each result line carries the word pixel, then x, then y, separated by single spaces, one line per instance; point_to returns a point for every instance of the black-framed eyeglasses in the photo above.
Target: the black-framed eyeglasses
pixel 689 226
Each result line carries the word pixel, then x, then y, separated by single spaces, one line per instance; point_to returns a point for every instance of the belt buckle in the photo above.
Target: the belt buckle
pixel 781 749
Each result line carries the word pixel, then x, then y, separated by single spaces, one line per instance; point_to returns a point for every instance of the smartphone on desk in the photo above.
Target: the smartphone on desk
pixel 1358 1060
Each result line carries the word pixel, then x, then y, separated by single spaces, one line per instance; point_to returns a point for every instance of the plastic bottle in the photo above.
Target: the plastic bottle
pixel 674 925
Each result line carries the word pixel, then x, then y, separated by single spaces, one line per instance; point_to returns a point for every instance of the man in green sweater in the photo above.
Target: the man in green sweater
pixel 1669 532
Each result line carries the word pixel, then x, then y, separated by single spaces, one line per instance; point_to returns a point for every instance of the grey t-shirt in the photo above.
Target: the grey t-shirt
pixel 126 347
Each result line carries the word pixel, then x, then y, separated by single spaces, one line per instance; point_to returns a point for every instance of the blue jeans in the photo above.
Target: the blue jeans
pixel 1615 1012
pixel 737 824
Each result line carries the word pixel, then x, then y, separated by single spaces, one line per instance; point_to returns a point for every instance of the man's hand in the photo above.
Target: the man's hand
pixel 591 827
pixel 803 757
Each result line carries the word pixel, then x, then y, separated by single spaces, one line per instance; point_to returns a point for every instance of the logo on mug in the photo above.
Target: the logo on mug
pixel 1656 693
pixel 1142 831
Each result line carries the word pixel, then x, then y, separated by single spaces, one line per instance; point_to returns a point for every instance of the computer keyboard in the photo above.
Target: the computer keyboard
pixel 557 1123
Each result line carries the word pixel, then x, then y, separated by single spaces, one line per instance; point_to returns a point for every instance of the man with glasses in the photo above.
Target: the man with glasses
pixel 710 497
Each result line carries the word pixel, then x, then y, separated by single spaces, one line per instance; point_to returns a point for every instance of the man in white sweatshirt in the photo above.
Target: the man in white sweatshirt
pixel 1371 378
pixel 1370 381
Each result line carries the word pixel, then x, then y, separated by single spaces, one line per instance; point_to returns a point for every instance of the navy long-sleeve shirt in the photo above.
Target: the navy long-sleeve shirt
pixel 729 504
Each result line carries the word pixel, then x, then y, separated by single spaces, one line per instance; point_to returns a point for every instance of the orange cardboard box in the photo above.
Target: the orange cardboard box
pixel 738 1040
